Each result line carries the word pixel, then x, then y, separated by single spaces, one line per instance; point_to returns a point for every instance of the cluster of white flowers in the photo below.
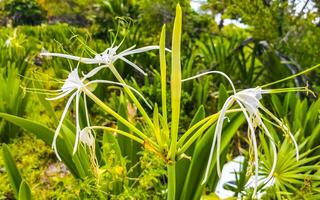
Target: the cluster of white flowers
pixel 76 86
pixel 249 102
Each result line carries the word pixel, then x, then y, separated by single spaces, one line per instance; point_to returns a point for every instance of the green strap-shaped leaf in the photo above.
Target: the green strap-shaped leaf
pixel 175 81
pixel 223 95
pixel 24 192
pixel 182 165
pixel 46 134
pixel 12 170
pixel 192 187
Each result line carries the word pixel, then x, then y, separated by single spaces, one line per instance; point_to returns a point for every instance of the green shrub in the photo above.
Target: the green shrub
pixel 26 12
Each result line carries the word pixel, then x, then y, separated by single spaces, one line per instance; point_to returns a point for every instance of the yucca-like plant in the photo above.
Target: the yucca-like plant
pixel 291 178
pixel 12 101
pixel 160 133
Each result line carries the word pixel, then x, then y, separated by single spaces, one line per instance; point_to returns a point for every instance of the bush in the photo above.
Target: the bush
pixel 24 12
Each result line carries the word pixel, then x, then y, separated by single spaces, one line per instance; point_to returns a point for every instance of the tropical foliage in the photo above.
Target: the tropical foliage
pixel 153 100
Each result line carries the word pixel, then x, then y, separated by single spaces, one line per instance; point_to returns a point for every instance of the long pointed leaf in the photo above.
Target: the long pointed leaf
pixel 12 170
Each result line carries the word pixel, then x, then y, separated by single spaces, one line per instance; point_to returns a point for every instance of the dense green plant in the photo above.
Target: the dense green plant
pixel 12 101
pixel 140 149
pixel 20 187
pixel 22 12
pixel 292 179
pixel 288 26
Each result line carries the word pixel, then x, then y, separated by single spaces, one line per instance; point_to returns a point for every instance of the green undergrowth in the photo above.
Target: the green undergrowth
pixel 46 177
pixel 50 179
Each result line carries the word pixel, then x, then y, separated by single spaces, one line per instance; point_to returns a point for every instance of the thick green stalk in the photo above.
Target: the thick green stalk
pixel 175 102
pixel 132 96
pixel 175 82
pixel 171 181
pixel 113 130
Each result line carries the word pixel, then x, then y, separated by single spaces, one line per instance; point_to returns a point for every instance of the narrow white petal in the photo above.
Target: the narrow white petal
pixel 255 146
pixel 133 65
pixel 219 126
pixel 212 72
pixel 59 96
pixel 295 144
pixel 77 58
pixel 77 123
pixel 127 50
pixel 139 50
pixel 256 162
pixel 216 133
pixel 93 71
pixel 286 129
pixel 56 134
pixel 275 155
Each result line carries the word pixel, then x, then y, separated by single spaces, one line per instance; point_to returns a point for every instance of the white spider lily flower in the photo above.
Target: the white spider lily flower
pixel 75 85
pixel 86 137
pixel 8 42
pixel 72 84
pixel 249 102
pixel 109 56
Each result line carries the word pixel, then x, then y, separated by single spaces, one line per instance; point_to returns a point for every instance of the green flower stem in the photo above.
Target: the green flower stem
pixel 212 119
pixel 129 135
pixel 208 121
pixel 171 181
pixel 175 102
pixel 198 133
pixel 157 127
pixel 175 83
pixel 119 117
pixel 193 128
pixel 132 96
pixel 290 77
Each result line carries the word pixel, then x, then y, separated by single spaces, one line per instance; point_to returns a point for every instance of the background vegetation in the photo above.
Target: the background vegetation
pixel 279 39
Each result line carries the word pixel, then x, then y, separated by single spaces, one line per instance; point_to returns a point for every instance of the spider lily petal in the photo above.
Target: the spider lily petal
pixel 94 71
pixel 86 137
pixel 72 84
pixel 249 102
pixel 255 145
pixel 77 124
pixel 61 95
pixel 75 85
pixel 109 56
pixel 77 58
pixel 133 65
pixel 139 50
pixel 218 131
pixel 56 133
